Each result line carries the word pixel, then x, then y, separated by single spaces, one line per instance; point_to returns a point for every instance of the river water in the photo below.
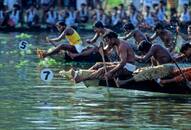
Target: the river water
pixel 28 103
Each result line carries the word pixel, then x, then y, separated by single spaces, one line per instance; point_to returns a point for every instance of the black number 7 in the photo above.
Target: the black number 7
pixel 47 73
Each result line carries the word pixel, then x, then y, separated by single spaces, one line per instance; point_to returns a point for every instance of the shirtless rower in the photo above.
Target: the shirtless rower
pixel 185 51
pixel 125 66
pixel 177 76
pixel 157 53
pixel 75 42
pixel 165 35
pixel 135 33
pixel 186 37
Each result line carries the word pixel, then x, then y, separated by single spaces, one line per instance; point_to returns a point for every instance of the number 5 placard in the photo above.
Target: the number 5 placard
pixel 23 45
pixel 46 75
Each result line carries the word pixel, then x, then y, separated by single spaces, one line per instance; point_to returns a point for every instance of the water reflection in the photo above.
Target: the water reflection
pixel 26 102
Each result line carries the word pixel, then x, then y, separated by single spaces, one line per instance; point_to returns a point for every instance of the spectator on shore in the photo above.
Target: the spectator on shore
pixel 148 21
pixel 2 14
pixel 155 3
pixel 45 5
pixel 51 17
pixel 101 16
pixel 122 12
pixel 9 4
pixel 115 19
pixel 32 17
pixel 70 17
pixel 147 3
pixel 15 16
pixel 79 3
pixel 161 12
pixel 133 15
pixel 62 13
pixel 26 4
pixel 173 21
pixel 181 4
pixel 185 16
pixel 92 13
pixel 82 14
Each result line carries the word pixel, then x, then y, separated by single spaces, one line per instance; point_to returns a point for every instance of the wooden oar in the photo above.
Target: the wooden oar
pixel 104 64
pixel 51 42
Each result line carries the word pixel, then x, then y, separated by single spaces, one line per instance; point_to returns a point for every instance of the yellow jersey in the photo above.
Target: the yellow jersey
pixel 74 39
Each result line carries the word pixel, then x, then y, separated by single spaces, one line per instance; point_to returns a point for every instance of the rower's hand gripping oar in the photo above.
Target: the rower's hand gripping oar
pixel 48 40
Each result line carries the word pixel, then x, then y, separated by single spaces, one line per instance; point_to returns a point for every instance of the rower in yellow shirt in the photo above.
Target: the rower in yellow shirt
pixel 75 42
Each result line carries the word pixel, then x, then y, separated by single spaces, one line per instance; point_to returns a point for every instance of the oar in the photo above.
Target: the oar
pixel 104 64
pixel 51 42
pixel 188 83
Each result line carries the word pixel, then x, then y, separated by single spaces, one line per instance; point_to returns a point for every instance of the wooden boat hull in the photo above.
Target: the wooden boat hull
pixel 150 86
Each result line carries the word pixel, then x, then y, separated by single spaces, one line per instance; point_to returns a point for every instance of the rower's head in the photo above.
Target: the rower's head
pixel 110 38
pixel 189 30
pixel 144 46
pixel 128 27
pixel 186 49
pixel 61 26
pixel 159 27
pixel 98 27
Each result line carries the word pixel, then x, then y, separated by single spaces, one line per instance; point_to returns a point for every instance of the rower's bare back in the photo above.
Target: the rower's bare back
pixel 139 36
pixel 166 37
pixel 124 47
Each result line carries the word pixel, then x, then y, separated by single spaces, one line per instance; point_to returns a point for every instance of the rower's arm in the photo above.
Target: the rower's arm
pixel 123 57
pixel 59 38
pixel 94 39
pixel 180 58
pixel 148 55
pixel 153 37
pixel 184 36
pixel 128 36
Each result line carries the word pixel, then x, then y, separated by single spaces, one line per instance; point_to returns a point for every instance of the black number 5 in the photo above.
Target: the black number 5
pixel 23 45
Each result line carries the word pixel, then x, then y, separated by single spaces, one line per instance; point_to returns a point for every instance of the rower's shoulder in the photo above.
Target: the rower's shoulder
pixel 70 30
pixel 156 46
pixel 124 44
pixel 108 30
pixel 168 31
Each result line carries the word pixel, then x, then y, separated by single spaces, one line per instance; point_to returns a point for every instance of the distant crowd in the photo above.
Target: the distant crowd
pixel 46 13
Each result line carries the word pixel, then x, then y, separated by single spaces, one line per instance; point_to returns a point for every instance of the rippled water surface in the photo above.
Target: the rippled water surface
pixel 28 103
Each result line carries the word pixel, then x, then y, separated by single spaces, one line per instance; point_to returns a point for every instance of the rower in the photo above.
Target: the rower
pixel 184 36
pixel 125 66
pixel 177 76
pixel 165 35
pixel 100 30
pixel 186 52
pixel 135 33
pixel 157 53
pixel 75 43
